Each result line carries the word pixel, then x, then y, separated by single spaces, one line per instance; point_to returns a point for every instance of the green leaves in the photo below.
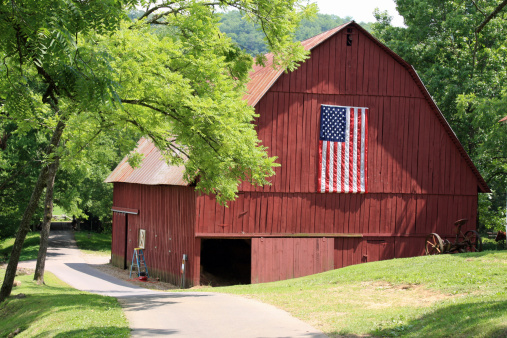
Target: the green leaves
pixel 465 72
pixel 113 80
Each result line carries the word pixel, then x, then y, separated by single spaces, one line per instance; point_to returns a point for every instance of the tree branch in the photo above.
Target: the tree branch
pixel 491 177
pixel 491 16
pixel 478 8
pixel 140 103
pixel 146 105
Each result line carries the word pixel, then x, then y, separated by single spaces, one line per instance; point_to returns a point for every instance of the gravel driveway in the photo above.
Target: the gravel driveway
pixel 174 314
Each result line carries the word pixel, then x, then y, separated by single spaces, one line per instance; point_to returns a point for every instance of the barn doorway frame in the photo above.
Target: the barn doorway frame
pixel 225 261
pixel 126 212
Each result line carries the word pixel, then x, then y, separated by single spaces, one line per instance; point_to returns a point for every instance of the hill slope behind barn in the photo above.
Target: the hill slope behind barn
pixel 413 176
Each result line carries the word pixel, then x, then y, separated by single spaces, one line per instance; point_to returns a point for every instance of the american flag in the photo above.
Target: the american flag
pixel 343 149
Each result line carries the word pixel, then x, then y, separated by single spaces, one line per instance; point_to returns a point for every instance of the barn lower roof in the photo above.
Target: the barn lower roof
pixel 153 170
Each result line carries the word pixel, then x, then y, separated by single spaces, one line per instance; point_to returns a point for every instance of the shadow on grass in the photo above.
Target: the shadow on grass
pixel 30 249
pixel 58 314
pixel 107 331
pixel 457 320
pixel 483 253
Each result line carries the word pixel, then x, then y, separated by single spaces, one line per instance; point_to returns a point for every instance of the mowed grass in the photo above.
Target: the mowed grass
pixel 30 247
pixel 462 295
pixel 57 310
pixel 91 242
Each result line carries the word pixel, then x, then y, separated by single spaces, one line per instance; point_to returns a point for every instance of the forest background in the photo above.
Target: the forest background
pixel 463 69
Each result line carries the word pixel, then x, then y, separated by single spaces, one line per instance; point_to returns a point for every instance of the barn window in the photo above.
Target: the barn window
pixel 226 261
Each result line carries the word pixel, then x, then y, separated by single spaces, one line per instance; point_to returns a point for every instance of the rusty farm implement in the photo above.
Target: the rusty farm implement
pixel 470 241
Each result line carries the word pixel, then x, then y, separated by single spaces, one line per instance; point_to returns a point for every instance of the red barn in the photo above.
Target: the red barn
pixel 418 177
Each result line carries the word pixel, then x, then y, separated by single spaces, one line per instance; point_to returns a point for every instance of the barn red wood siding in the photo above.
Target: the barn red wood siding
pixel 260 214
pixel 419 178
pixel 285 258
pixel 118 249
pixel 418 181
pixel 167 213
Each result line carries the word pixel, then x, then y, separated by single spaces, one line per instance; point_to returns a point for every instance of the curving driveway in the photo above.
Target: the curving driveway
pixel 172 314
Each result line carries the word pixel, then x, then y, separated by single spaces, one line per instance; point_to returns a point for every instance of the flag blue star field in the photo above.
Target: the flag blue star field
pixel 343 149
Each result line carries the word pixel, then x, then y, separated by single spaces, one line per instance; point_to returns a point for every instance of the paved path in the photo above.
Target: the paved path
pixel 173 314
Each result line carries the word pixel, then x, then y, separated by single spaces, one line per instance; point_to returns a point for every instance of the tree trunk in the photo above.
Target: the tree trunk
pixel 24 226
pixel 46 226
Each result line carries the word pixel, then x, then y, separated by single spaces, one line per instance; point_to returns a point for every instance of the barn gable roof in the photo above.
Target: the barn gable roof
pixel 153 170
pixel 262 79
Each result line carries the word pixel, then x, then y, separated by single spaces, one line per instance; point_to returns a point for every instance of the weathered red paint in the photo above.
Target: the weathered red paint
pixel 167 213
pixel 285 258
pixel 420 179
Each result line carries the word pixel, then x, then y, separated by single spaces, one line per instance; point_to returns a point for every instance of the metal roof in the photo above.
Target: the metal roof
pixel 263 77
pixel 153 170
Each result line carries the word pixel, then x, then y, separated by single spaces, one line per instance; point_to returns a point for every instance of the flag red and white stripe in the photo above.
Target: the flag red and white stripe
pixel 343 150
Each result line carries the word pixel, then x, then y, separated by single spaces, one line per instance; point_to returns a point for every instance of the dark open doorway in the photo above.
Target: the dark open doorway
pixel 226 261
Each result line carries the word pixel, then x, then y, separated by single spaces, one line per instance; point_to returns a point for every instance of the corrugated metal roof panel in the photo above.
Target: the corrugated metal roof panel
pixel 153 170
pixel 262 78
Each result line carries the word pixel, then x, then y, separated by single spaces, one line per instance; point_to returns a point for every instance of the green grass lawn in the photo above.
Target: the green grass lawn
pixel 91 242
pixel 87 242
pixel 462 295
pixel 57 210
pixel 30 247
pixel 57 310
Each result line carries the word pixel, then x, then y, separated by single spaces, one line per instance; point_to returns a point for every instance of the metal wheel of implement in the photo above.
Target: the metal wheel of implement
pixel 434 245
pixel 473 240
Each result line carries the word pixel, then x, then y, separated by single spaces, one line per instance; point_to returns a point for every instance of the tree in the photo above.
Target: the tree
pixel 250 39
pixel 82 68
pixel 459 50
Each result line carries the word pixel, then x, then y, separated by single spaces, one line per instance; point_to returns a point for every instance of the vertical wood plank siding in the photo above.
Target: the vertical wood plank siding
pixel 167 213
pixel 118 239
pixel 285 258
pixel 418 182
pixel 305 213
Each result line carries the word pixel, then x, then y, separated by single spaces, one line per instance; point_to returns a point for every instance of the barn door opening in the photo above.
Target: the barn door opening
pixel 226 261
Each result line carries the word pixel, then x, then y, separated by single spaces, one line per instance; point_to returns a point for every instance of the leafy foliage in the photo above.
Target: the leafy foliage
pixel 171 75
pixel 248 37
pixel 465 69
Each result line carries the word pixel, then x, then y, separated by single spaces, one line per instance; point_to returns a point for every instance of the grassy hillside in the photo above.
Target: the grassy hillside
pixel 57 310
pixel 92 242
pixel 30 247
pixel 461 295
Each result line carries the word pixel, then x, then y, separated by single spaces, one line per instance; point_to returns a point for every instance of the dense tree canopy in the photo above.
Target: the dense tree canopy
pixel 250 39
pixel 460 52
pixel 74 70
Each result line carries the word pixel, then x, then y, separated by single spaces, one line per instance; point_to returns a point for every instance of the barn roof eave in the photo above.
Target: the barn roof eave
pixel 153 169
